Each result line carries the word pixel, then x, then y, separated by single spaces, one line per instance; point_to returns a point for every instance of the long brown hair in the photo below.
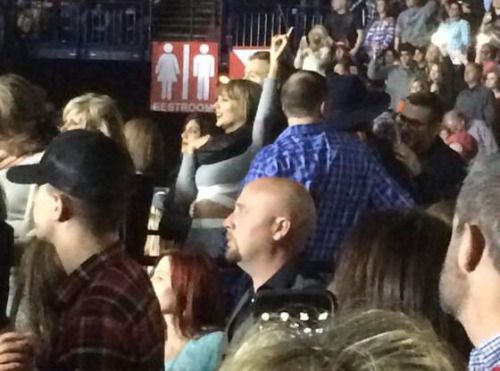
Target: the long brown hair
pixel 145 145
pixel 392 260
pixel 246 93
pixel 41 274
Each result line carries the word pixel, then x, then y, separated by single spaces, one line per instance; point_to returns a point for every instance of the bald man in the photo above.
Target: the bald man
pixel 269 227
pixel 455 121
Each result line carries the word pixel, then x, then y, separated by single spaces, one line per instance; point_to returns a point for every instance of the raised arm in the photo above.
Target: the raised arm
pixel 429 9
pixel 185 187
pixel 301 53
pixel 269 100
pixel 376 71
pixel 486 23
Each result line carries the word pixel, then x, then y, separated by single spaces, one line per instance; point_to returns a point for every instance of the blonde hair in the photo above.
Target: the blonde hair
pixel 95 112
pixel 145 145
pixel 25 126
pixel 246 93
pixel 323 31
pixel 372 340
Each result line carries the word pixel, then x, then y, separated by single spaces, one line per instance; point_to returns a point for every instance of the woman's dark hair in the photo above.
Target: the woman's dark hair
pixel 407 47
pixel 206 121
pixel 455 2
pixel 392 260
pixel 196 289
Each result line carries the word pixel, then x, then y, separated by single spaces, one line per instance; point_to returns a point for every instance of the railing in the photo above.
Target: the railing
pixel 254 27
pixel 250 26
pixel 86 30
pixel 187 20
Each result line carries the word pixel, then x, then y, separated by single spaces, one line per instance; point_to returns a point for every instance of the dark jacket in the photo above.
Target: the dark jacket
pixel 290 276
pixel 443 171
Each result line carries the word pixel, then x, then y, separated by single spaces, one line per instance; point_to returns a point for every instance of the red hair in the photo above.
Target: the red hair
pixel 196 290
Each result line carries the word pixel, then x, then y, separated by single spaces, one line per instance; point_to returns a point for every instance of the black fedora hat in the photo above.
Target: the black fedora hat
pixel 350 106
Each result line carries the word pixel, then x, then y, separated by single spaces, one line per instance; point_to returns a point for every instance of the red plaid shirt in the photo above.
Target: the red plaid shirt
pixel 109 319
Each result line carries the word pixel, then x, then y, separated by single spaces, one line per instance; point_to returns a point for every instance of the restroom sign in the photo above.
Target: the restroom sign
pixel 184 76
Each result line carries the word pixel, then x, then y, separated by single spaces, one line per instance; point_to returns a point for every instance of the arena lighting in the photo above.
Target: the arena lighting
pixel 323 316
pixel 284 316
pixel 224 79
pixel 304 316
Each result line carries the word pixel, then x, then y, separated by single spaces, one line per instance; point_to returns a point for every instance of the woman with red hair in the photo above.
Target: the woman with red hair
pixel 185 283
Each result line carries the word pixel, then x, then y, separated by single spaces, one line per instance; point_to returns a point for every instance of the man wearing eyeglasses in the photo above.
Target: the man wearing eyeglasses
pixel 436 170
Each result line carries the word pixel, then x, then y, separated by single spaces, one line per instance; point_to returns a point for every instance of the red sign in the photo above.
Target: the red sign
pixel 184 76
pixel 238 59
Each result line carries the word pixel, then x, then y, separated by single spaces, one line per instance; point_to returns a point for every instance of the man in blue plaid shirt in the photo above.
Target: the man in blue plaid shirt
pixel 339 171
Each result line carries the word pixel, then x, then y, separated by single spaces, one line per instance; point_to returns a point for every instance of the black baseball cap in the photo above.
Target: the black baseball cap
pixel 82 163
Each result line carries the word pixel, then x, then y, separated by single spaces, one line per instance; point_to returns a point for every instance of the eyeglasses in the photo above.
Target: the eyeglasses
pixel 410 123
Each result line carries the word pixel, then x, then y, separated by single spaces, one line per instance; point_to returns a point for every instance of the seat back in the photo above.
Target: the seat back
pixel 6 257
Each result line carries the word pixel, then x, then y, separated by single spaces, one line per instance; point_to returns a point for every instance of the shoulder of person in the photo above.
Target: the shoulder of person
pixel 308 280
pixel 204 351
pixel 210 339
pixel 119 291
pixel 444 153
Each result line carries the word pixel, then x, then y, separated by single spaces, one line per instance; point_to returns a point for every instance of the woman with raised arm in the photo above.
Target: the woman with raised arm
pixel 213 168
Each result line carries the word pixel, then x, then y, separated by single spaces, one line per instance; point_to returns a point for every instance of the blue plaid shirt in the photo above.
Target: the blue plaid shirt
pixel 341 174
pixel 486 357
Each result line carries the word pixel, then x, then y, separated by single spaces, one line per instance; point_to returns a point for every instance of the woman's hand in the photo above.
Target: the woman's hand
pixel 303 43
pixel 278 46
pixel 16 352
pixel 193 145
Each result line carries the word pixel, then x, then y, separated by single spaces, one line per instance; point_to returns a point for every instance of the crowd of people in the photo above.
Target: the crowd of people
pixel 341 216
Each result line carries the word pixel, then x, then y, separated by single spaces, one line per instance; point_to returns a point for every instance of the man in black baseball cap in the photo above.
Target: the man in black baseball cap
pixel 109 317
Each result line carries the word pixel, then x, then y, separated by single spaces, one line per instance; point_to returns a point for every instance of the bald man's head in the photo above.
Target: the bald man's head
pixel 288 197
pixel 454 121
pixel 270 213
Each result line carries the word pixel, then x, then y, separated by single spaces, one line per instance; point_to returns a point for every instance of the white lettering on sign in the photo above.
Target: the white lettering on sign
pixel 182 107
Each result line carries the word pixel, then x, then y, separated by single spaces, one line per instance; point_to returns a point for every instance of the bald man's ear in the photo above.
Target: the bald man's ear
pixel 281 228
